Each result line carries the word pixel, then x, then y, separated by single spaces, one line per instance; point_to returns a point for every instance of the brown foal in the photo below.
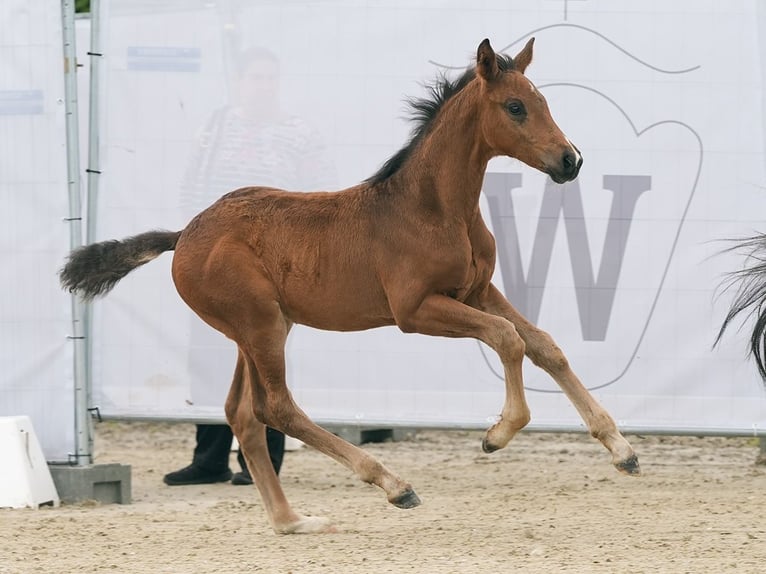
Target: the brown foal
pixel 407 247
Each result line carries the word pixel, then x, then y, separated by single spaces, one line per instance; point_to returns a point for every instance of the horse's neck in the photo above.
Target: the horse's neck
pixel 450 162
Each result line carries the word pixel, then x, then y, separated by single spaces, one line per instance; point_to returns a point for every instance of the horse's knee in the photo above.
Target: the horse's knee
pixel 512 345
pixel 554 361
pixel 548 356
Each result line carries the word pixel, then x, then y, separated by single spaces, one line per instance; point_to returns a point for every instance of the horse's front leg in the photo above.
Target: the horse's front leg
pixel 442 316
pixel 544 353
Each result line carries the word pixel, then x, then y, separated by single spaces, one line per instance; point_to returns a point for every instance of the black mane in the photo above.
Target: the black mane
pixel 424 110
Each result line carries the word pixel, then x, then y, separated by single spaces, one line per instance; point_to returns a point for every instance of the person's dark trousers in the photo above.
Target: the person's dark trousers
pixel 214 445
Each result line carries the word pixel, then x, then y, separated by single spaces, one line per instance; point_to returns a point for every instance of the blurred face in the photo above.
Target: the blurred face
pixel 258 87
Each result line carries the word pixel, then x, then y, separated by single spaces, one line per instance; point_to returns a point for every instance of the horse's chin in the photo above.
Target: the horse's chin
pixel 558 178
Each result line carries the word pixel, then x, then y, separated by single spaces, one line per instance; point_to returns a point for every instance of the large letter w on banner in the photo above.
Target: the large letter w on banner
pixel 594 296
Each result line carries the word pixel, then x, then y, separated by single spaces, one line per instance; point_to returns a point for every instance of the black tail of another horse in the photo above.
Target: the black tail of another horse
pixel 750 298
pixel 93 270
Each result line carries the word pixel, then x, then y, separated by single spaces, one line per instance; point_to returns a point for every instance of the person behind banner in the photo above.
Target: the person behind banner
pixel 251 141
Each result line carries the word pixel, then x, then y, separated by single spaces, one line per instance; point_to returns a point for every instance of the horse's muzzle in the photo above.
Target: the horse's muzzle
pixel 569 168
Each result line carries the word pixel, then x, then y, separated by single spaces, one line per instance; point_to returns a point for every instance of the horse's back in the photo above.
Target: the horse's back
pixel 312 249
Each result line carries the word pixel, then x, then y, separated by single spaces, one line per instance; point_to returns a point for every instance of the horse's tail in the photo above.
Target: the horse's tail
pixel 750 297
pixel 93 270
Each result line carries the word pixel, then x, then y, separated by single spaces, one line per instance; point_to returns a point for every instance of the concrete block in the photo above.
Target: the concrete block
pixel 105 483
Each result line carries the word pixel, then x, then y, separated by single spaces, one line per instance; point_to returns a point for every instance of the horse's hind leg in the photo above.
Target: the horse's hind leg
pixel 262 340
pixel 251 435
pixel 544 353
pixel 234 297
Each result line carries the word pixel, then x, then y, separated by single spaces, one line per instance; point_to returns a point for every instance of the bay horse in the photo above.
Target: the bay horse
pixel 407 247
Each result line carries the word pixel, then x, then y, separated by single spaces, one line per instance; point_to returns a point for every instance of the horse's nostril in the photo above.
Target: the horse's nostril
pixel 569 160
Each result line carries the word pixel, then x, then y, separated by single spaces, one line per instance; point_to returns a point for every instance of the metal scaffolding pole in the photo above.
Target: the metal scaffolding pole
pixel 94 169
pixel 83 454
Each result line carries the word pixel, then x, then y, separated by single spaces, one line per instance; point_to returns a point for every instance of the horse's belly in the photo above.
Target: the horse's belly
pixel 337 305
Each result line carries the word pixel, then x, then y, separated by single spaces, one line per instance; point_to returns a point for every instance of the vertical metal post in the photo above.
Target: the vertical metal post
pixel 93 170
pixel 94 118
pixel 83 440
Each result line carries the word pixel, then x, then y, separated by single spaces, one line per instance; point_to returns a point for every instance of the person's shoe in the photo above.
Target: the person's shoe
pixel 195 475
pixel 241 478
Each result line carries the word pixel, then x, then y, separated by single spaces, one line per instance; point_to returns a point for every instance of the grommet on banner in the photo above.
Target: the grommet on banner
pixel 26 480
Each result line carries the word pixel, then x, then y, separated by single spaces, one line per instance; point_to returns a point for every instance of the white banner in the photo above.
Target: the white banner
pixel 35 318
pixel 620 266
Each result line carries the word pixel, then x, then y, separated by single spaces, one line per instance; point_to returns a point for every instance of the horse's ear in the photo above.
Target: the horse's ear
pixel 486 61
pixel 523 58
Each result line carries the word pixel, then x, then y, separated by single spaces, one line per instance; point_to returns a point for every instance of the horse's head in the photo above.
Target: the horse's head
pixel 516 120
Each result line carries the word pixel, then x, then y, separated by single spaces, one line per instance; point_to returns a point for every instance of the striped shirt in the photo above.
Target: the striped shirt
pixel 233 151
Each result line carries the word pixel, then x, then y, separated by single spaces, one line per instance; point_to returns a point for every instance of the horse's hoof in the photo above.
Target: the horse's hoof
pixel 629 466
pixel 408 499
pixel 487 446
pixel 307 525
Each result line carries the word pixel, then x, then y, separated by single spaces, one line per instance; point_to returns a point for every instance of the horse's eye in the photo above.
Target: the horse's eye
pixel 515 108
